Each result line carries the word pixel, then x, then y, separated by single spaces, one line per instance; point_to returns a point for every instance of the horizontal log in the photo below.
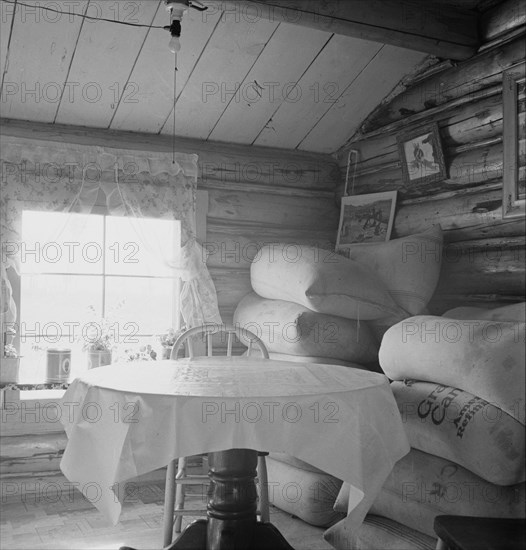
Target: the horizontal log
pixel 441 303
pixel 465 125
pixel 501 19
pixel 479 72
pixel 31 454
pixel 217 161
pixel 466 168
pixel 257 231
pixel 36 418
pixel 291 212
pixel 483 267
pixel 231 286
pixel 229 252
pixel 245 187
pixel 467 214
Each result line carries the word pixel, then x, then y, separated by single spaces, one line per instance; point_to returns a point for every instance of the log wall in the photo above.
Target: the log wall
pixel 484 259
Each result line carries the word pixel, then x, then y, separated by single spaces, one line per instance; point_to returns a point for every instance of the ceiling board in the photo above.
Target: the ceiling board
pixel 42 45
pixel 103 61
pixel 373 84
pixel 331 72
pixel 281 64
pixel 153 72
pixel 229 56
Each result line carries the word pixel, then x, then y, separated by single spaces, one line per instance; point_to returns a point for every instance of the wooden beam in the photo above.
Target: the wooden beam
pixel 430 27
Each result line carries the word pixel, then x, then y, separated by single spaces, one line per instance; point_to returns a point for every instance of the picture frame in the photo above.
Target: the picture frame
pixel 513 179
pixel 421 155
pixel 365 219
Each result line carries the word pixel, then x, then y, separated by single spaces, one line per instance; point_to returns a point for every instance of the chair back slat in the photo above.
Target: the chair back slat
pixel 209 344
pixel 209 329
pixel 229 344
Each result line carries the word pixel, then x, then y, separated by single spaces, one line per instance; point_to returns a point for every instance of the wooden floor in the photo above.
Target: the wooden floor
pixel 49 521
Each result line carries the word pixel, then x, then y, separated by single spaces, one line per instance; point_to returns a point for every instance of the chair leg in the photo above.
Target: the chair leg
pixel 169 497
pixel 441 545
pixel 179 493
pixel 263 490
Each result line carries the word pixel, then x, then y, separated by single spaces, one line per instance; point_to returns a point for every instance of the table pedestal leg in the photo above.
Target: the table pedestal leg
pixel 231 523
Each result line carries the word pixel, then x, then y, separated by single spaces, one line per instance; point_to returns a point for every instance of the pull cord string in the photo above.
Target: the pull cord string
pixel 175 103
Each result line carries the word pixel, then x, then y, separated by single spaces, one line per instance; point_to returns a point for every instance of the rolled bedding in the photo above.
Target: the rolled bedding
pixel 322 281
pixel 289 328
pixel 422 486
pixel 458 426
pixel 485 358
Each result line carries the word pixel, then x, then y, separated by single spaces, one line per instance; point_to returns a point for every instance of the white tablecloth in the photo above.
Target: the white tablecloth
pixel 128 419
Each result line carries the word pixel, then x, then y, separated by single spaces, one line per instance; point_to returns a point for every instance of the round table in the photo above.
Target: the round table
pixel 127 419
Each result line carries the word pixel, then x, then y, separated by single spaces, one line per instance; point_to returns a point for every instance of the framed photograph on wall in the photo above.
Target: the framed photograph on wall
pixel 421 155
pixel 513 174
pixel 365 219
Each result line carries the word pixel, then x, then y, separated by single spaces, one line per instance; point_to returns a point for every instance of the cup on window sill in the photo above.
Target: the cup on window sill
pixel 58 365
pixel 99 358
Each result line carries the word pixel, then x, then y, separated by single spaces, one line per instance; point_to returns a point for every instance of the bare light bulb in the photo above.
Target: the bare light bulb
pixel 174 44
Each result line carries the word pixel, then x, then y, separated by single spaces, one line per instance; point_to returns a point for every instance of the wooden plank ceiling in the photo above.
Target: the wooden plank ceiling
pixel 249 80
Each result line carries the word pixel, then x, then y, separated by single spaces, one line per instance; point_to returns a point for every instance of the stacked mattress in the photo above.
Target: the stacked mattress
pixel 310 304
pixel 459 383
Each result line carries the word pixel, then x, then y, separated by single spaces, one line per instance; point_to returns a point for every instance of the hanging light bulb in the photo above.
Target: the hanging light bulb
pixel 174 44
pixel 177 9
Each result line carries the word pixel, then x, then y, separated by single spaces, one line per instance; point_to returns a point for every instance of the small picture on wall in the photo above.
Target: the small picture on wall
pixel 366 219
pixel 421 155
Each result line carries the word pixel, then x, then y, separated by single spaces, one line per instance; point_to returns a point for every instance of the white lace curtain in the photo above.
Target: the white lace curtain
pixel 67 178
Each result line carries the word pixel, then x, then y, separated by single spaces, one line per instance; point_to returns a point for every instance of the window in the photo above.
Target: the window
pixel 79 268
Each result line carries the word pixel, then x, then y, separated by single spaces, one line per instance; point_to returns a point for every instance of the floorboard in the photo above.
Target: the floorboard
pixel 49 521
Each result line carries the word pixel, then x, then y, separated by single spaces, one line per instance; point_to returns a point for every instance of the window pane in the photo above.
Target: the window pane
pixel 145 304
pixel 55 242
pixel 58 305
pixel 140 246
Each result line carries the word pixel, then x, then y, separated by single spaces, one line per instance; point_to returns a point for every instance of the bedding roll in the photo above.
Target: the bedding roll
pixel 322 281
pixel 458 426
pixel 422 486
pixel 485 358
pixel 378 533
pixel 286 327
pixel 513 312
pixel 304 493
pixel 409 266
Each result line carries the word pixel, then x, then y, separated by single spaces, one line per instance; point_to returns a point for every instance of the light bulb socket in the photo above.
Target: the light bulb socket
pixel 175 28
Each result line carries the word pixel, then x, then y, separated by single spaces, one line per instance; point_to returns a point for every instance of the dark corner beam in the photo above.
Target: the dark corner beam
pixel 436 27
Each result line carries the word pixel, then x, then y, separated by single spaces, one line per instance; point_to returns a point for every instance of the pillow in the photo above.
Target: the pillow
pixel 286 327
pixel 409 267
pixel 513 312
pixel 485 358
pixel 322 281
pixel 454 424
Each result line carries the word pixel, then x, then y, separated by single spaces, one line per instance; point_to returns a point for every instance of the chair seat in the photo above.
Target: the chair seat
pixel 474 533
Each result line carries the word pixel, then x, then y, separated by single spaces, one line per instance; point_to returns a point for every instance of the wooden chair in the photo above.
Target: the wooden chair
pixel 474 533
pixel 176 476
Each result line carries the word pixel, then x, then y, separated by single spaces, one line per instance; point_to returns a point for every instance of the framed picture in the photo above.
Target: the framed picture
pixel 365 219
pixel 513 176
pixel 421 155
